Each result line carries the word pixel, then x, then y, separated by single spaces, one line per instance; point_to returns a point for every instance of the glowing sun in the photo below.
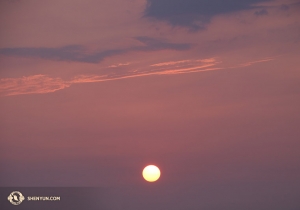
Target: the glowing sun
pixel 151 173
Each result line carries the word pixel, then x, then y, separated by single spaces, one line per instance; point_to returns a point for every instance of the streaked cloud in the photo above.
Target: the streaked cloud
pixel 79 53
pixel 253 62
pixel 120 64
pixel 87 79
pixel 156 44
pixel 31 85
pixel 170 63
pixel 37 84
pixel 186 65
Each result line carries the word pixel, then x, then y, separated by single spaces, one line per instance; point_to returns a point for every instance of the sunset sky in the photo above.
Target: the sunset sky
pixel 92 91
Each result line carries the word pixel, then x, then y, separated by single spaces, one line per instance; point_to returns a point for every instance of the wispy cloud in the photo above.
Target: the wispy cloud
pixel 120 64
pixel 185 62
pixel 87 79
pixel 31 84
pixel 38 84
pixel 79 53
pixel 170 63
pixel 253 62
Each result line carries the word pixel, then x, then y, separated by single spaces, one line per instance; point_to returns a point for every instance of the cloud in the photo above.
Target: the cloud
pixel 118 65
pixel 71 52
pixel 31 85
pixel 284 7
pixel 44 84
pixel 253 62
pixel 261 12
pixel 37 84
pixel 155 44
pixel 78 53
pixel 170 63
pixel 195 14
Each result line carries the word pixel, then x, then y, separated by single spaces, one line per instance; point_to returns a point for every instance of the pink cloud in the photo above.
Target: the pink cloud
pixel 120 64
pixel 38 84
pixel 31 84
pixel 170 63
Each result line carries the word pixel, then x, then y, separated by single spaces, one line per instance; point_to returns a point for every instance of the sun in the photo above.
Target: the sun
pixel 151 173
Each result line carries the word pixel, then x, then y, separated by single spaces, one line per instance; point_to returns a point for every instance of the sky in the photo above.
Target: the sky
pixel 93 91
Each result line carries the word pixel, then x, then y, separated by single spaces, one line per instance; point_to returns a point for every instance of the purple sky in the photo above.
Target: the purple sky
pixel 208 90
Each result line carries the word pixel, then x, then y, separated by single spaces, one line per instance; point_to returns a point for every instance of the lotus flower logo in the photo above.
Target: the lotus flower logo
pixel 15 198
